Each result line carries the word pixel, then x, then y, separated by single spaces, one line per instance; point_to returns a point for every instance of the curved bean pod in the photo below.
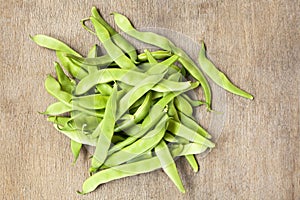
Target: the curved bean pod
pixel 104 88
pixel 217 76
pixel 118 39
pixel 53 44
pixel 160 54
pixel 137 92
pixel 106 131
pixel 183 131
pixel 125 170
pixel 102 61
pixel 94 101
pixel 192 124
pixel 193 162
pixel 168 164
pixel 66 83
pixel 75 148
pixel 183 106
pixel 113 51
pixel 57 108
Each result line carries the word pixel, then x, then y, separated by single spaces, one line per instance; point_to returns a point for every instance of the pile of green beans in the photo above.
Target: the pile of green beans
pixel 131 106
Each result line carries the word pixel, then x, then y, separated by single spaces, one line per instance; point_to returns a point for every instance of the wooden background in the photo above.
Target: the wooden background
pixel 255 43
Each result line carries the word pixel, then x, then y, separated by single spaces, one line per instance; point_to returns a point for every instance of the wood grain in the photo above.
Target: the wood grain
pixel 255 43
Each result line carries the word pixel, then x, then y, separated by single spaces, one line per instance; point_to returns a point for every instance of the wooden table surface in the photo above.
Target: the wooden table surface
pixel 256 44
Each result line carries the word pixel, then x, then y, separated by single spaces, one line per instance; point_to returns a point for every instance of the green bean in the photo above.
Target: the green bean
pixel 102 61
pixel 85 122
pixel 73 69
pixel 61 48
pixel 95 101
pixel 93 53
pixel 183 106
pixel 124 24
pixel 106 131
pixel 53 44
pixel 183 131
pixel 175 77
pixel 162 66
pixel 193 103
pixel 193 162
pixel 150 57
pixel 121 171
pixel 58 120
pixel 172 111
pixel 66 83
pixel 139 115
pixel 124 170
pixel 75 147
pixel 217 76
pixel 136 92
pixel 172 139
pixel 192 124
pixel 116 37
pixel 139 102
pixel 160 54
pixel 168 164
pixel 124 86
pixel 104 88
pixel 113 51
pixel 188 149
pixel 117 138
pixel 192 68
pixel 149 141
pixel 57 108
pixel 143 156
pixel 171 86
pixel 78 136
pixel 162 42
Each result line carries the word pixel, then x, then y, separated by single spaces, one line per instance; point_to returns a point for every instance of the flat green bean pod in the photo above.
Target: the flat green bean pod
pixel 57 108
pixel 192 124
pixel 75 148
pixel 102 61
pixel 66 83
pixel 94 101
pixel 168 164
pixel 160 54
pixel 118 39
pixel 217 76
pixel 53 44
pixel 183 131
pixel 183 106
pixel 125 170
pixel 106 131
pixel 113 51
